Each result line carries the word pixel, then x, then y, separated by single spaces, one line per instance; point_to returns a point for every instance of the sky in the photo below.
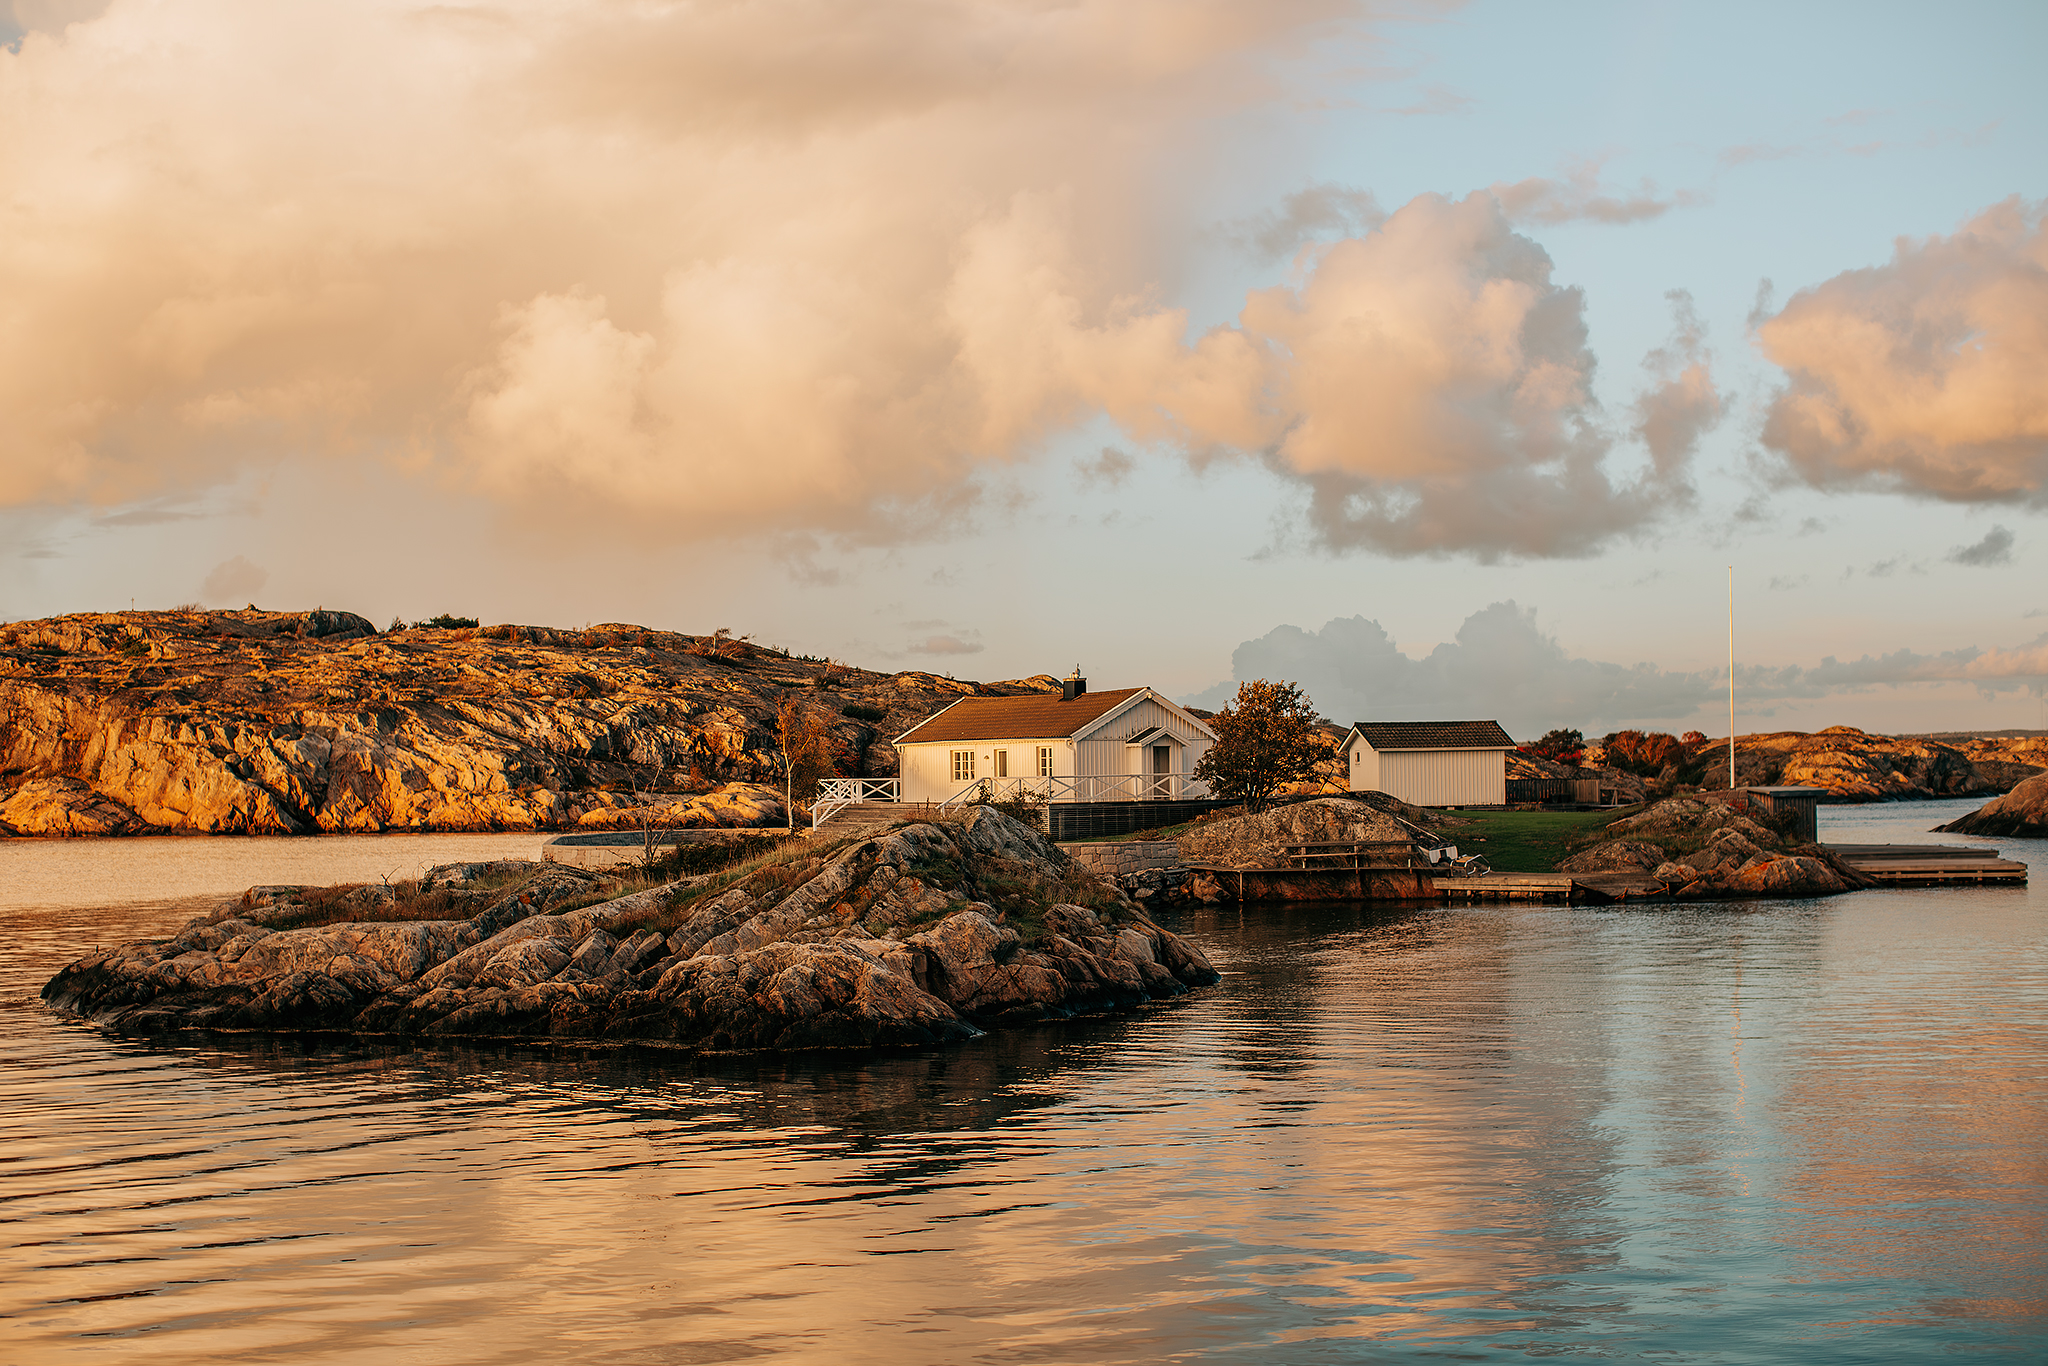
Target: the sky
pixel 1451 360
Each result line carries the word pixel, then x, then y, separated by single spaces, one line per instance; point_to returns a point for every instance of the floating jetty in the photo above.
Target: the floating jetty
pixel 1886 865
pixel 1930 865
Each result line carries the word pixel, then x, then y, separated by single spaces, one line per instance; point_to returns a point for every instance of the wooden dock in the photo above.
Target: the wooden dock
pixel 1557 887
pixel 1930 865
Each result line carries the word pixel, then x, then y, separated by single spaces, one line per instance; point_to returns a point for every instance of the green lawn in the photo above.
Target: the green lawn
pixel 1522 841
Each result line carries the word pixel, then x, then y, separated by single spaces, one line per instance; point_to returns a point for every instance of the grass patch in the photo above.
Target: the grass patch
pixel 337 905
pixel 1530 841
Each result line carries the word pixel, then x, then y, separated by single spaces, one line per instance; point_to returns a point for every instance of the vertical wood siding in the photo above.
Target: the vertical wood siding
pixel 1445 777
pixel 1104 754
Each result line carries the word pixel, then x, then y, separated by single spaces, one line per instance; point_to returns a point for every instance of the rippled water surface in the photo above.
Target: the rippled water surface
pixel 1796 1131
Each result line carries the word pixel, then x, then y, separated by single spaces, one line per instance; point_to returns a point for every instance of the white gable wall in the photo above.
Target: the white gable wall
pixel 1102 753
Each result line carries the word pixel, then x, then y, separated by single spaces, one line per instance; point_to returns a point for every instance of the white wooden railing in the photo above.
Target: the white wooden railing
pixel 1120 787
pixel 836 794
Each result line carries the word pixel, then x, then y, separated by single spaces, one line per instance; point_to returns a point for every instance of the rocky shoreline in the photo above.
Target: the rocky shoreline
pixel 2022 811
pixel 1703 850
pixel 926 934
pixel 257 722
pixel 286 723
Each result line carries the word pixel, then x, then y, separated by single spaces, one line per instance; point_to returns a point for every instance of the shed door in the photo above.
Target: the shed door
pixel 1162 769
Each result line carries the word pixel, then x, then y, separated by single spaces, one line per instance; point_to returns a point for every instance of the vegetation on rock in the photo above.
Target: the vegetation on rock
pixel 921 935
pixel 285 723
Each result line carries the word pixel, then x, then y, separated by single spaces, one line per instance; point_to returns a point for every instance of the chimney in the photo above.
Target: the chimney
pixel 1074 686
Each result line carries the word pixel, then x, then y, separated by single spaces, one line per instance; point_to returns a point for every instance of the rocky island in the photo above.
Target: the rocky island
pixel 923 934
pixel 1702 850
pixel 2022 811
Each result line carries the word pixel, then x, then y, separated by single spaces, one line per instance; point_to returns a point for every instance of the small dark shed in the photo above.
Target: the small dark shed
pixel 1802 802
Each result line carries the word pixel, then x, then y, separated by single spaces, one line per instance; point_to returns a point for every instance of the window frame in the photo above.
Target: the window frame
pixel 1045 761
pixel 963 765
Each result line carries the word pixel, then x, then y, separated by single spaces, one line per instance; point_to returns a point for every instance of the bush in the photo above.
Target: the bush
pixel 444 622
pixel 860 712
pixel 1559 747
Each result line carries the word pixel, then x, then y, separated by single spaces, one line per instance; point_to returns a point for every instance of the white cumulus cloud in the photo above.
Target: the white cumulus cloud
pixel 1923 375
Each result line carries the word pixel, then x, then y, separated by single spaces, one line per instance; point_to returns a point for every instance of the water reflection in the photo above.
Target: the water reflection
pixel 1802 1131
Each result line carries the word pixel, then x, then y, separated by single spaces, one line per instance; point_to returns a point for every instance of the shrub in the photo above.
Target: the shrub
pixel 1559 747
pixel 1633 751
pixel 444 622
pixel 861 712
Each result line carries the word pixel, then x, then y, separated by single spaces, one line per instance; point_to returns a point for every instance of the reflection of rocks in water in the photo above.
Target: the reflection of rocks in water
pixel 909 938
pixel 865 1098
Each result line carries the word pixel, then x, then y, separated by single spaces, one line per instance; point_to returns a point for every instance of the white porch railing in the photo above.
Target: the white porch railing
pixel 1123 787
pixel 836 794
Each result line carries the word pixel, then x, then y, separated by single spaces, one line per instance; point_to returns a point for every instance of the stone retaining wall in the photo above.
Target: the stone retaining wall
pixel 1125 856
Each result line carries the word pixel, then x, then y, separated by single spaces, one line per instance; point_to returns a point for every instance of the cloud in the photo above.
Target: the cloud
pixel 234 580
pixel 709 270
pixel 1430 385
pixel 1994 549
pixel 1995 670
pixel 1501 665
pixel 1922 375
pixel 944 645
pixel 1109 468
pixel 693 268
pixel 1304 216
pixel 1579 197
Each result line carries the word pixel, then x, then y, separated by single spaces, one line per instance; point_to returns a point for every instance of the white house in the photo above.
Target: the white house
pixel 1430 763
pixel 1126 744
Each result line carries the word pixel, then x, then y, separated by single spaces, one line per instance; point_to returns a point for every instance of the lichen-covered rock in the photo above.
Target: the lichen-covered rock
pixel 1703 850
pixel 1617 856
pixel 929 933
pixel 300 722
pixel 2022 811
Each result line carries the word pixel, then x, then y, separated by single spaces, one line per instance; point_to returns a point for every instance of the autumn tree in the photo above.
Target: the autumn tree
pixel 803 742
pixel 1265 739
pixel 1559 747
pixel 1646 754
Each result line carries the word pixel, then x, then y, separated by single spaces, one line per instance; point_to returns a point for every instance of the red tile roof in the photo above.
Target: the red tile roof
pixel 1386 735
pixel 1016 718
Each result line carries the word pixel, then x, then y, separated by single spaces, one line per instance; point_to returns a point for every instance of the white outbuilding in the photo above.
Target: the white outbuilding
pixel 1125 744
pixel 1430 763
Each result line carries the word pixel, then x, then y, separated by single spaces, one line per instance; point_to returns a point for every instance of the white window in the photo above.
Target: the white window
pixel 1045 761
pixel 1002 763
pixel 963 765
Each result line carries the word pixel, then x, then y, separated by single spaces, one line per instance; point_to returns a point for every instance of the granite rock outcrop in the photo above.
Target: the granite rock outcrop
pixel 928 933
pixel 2022 811
pixel 1703 850
pixel 312 722
pixel 1258 840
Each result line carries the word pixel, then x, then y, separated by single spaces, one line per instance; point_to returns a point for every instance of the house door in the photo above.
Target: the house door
pixel 1162 770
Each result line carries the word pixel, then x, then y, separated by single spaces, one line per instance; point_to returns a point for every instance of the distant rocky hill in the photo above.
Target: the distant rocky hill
pixel 1850 764
pixel 297 722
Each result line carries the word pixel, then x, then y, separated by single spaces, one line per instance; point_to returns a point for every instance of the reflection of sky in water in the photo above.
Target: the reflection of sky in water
pixel 1802 1131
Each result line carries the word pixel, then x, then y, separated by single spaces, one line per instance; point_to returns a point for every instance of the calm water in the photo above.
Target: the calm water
pixel 1799 1132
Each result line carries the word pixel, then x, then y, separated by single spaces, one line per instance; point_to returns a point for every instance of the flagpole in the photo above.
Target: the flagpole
pixel 1731 678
